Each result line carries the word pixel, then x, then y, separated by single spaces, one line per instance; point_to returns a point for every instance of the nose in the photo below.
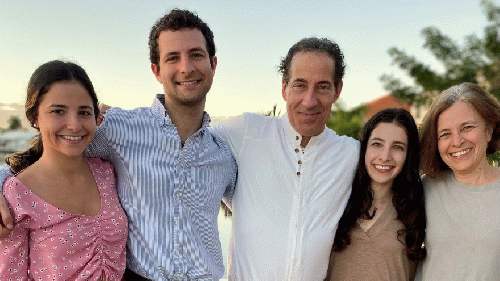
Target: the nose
pixel 73 122
pixel 310 99
pixel 186 65
pixel 457 139
pixel 385 154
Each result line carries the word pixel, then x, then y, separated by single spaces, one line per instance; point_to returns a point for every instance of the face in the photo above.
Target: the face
pixel 184 66
pixel 310 92
pixel 66 119
pixel 463 138
pixel 386 153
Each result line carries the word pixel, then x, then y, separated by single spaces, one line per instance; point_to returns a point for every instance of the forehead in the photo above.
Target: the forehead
pixel 66 93
pixel 181 40
pixel 458 113
pixel 389 132
pixel 315 65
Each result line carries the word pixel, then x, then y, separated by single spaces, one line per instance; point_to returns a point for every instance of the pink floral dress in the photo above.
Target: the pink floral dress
pixel 51 244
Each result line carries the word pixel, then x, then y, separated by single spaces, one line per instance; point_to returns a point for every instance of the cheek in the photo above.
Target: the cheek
pixel 368 157
pixel 441 147
pixel 91 126
pixel 291 100
pixel 401 160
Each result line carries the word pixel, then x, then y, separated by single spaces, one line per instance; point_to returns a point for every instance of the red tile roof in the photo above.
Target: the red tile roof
pixel 384 102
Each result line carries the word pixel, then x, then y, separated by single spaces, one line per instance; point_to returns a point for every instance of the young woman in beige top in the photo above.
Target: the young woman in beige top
pixel 381 232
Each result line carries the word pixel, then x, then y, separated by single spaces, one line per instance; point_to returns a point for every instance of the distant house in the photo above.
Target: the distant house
pixel 18 140
pixel 388 101
pixel 384 102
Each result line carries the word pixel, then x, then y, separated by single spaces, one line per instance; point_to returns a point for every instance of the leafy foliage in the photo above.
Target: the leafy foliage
pixel 273 112
pixel 346 122
pixel 14 123
pixel 478 58
pixel 477 61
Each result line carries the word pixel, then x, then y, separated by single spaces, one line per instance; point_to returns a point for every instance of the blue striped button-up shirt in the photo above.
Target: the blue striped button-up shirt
pixel 170 192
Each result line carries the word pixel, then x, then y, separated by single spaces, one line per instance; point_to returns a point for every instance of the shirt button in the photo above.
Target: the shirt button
pixel 177 195
pixel 297 150
pixel 297 138
pixel 298 173
pixel 300 162
pixel 176 251
pixel 176 222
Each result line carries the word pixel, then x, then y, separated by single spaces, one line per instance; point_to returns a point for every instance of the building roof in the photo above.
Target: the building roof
pixel 384 102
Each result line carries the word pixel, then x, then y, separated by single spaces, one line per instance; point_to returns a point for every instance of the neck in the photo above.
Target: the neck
pixel 483 174
pixel 305 140
pixel 187 119
pixel 381 191
pixel 62 164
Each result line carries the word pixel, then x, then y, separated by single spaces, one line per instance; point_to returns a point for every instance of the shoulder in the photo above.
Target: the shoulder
pixel 96 163
pixel 12 185
pixel 437 187
pixel 19 197
pixel 254 118
pixel 247 125
pixel 429 181
pixel 343 142
pixel 119 114
pixel 247 119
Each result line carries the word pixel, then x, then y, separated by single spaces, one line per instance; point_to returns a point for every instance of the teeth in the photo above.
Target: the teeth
pixel 460 153
pixel 187 83
pixel 380 167
pixel 72 138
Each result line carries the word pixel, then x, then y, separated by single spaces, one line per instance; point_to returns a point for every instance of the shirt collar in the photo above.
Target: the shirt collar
pixel 158 110
pixel 293 136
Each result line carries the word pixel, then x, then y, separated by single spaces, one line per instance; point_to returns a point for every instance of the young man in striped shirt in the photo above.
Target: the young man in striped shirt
pixel 172 172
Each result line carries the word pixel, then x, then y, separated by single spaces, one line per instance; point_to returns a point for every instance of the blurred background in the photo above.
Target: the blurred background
pixel 399 53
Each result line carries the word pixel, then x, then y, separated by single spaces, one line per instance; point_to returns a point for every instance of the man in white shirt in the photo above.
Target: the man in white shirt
pixel 294 175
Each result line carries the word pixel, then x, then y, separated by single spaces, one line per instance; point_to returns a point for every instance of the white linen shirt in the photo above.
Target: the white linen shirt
pixel 288 200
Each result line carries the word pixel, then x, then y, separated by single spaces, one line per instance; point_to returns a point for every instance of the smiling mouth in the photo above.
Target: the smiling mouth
pixel 460 153
pixel 188 83
pixel 308 115
pixel 382 167
pixel 72 138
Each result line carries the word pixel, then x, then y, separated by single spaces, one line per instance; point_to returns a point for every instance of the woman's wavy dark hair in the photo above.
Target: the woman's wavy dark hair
pixel 40 82
pixel 407 189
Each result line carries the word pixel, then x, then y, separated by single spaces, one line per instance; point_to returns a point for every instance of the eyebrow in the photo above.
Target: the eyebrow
pixel 461 124
pixel 197 49
pixel 396 142
pixel 65 106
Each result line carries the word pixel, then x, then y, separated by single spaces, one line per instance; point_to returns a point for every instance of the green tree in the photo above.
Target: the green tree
pixel 477 59
pixel 346 122
pixel 273 112
pixel 14 123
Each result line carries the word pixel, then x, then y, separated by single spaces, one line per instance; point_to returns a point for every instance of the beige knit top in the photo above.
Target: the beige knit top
pixel 376 254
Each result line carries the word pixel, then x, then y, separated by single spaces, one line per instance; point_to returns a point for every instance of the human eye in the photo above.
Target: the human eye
pixel 171 59
pixel 467 128
pixel 399 147
pixel 86 113
pixel 324 87
pixel 57 111
pixel 443 135
pixel 197 55
pixel 376 144
pixel 298 85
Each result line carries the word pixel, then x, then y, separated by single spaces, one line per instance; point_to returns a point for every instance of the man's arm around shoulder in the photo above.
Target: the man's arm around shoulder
pixel 6 223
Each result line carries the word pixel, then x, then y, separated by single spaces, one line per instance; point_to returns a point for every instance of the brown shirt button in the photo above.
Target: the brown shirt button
pixel 297 138
pixel 297 150
pixel 298 173
pixel 300 162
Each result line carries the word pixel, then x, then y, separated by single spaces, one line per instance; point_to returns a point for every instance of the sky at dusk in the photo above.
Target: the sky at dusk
pixel 109 39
